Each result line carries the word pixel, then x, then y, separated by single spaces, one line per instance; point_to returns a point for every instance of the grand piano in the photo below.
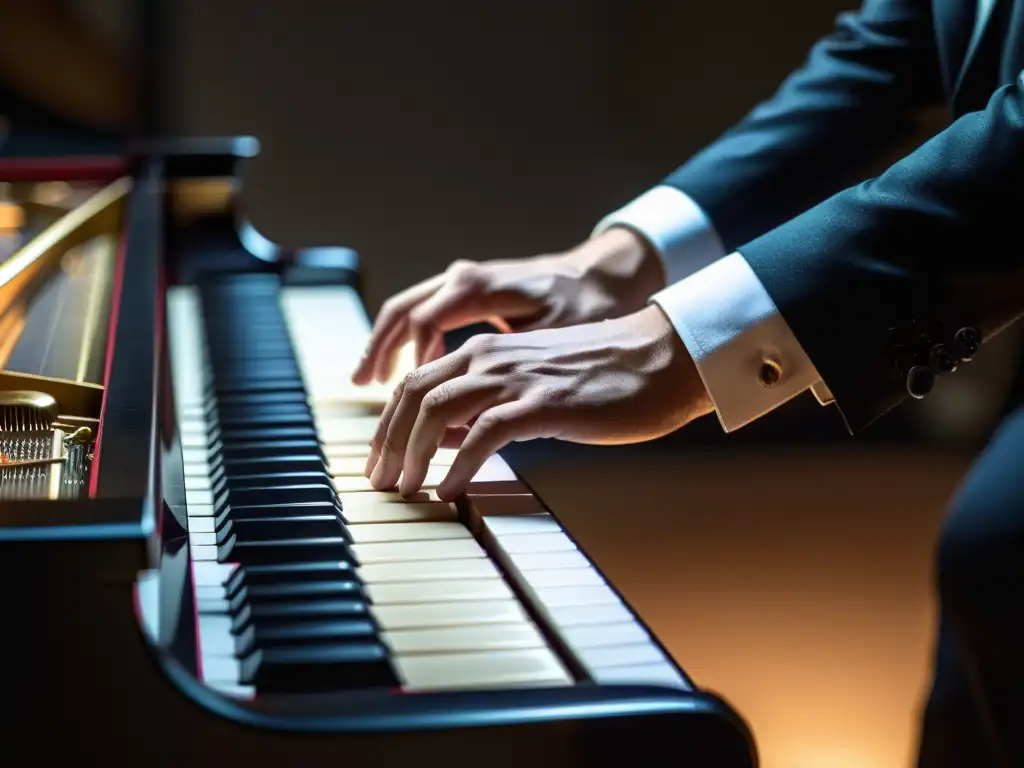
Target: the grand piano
pixel 193 569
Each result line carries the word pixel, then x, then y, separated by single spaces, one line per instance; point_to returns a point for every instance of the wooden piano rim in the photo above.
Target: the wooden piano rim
pixel 98 168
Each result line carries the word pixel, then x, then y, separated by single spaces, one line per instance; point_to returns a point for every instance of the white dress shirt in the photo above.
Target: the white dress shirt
pixel 725 317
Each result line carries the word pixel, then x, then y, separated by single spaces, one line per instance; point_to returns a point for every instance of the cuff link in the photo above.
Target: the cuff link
pixel 770 373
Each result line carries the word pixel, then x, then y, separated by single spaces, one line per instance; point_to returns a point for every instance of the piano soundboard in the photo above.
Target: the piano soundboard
pixel 226 574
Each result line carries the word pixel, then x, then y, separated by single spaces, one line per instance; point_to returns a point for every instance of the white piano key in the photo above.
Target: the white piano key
pixel 195 455
pixel 644 674
pixel 341 431
pixel 185 333
pixel 558 597
pixel 220 669
pixel 358 514
pixel 200 510
pixel 537 543
pixel 351 484
pixel 210 573
pixel 581 615
pixel 620 656
pixel 578 638
pixel 383 532
pixel 233 690
pixel 566 577
pixel 409 551
pixel 199 469
pixel 200 525
pixel 547 561
pixel 202 539
pixel 208 592
pixel 488 637
pixel 199 497
pixel 439 591
pixel 381 497
pixel 494 669
pixel 194 426
pixel 348 466
pixel 516 525
pixel 427 570
pixel 341 453
pixel 197 482
pixel 469 613
pixel 203 552
pixel 195 441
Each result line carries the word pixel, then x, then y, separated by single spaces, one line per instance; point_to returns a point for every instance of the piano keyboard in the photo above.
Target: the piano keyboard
pixel 308 580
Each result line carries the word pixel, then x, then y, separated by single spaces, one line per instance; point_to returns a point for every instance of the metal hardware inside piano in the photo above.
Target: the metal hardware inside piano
pixel 193 569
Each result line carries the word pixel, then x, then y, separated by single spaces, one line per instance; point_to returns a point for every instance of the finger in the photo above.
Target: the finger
pixel 394 311
pixel 493 430
pixel 415 387
pixel 453 403
pixel 381 432
pixel 455 305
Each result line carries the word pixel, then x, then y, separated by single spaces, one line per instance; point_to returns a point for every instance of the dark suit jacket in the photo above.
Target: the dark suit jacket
pixel 873 276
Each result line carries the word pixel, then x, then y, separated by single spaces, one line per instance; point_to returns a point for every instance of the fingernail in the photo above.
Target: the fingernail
pixel 371 462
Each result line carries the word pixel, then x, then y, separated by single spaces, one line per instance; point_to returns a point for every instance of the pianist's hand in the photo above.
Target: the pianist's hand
pixel 608 276
pixel 619 381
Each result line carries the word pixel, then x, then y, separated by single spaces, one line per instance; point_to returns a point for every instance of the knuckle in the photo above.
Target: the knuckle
pixel 465 273
pixel 437 398
pixel 481 344
pixel 413 384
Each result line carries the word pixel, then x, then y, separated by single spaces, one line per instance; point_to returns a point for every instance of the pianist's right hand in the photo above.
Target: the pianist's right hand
pixel 608 276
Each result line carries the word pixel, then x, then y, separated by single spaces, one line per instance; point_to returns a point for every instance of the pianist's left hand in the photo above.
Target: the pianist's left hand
pixel 619 381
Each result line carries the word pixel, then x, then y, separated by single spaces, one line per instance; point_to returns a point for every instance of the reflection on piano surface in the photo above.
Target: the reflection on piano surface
pixel 232 575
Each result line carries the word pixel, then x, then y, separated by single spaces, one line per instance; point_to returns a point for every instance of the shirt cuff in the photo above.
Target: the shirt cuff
pixel 748 358
pixel 675 225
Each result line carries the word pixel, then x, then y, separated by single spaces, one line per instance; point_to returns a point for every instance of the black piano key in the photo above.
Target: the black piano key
pixel 285 550
pixel 236 482
pixel 258 399
pixel 248 434
pixel 265 449
pixel 316 668
pixel 269 465
pixel 277 528
pixel 230 421
pixel 278 494
pixel 305 633
pixel 280 573
pixel 223 388
pixel 348 589
pixel 287 612
pixel 258 511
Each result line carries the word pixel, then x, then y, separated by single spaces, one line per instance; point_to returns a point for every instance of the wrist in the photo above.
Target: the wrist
pixel 623 263
pixel 657 327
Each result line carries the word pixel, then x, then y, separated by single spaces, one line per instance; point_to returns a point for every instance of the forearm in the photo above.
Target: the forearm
pixel 851 102
pixel 889 281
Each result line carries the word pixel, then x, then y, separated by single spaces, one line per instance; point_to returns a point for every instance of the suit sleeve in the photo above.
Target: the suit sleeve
pixel 901 270
pixel 851 100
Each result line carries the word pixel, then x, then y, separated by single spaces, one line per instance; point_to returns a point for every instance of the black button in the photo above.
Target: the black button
pixel 920 380
pixel 941 359
pixel 967 342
